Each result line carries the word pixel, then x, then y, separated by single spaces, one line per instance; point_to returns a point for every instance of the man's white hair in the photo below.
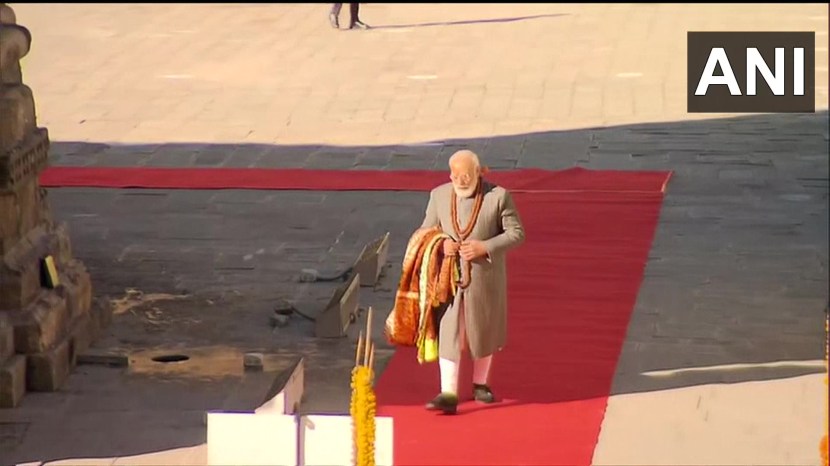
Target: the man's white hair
pixel 466 154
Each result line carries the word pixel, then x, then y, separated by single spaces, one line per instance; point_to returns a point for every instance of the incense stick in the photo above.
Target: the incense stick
pixel 359 347
pixel 368 336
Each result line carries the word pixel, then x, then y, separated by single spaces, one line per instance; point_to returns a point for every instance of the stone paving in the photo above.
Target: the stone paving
pixel 737 278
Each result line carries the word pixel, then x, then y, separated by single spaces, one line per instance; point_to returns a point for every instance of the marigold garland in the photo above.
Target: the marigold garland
pixel 363 405
pixel 462 234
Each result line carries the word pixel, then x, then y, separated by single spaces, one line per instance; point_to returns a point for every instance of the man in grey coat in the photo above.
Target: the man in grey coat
pixel 477 318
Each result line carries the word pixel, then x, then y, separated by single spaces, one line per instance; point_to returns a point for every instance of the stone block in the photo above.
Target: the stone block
pixel 103 357
pixel 372 260
pixel 7 15
pixel 340 311
pixel 64 244
pixel 18 287
pixel 286 392
pixel 28 205
pixel 23 160
pixel 20 212
pixel 6 337
pixel 12 381
pixel 42 324
pixel 252 361
pixel 76 288
pixel 17 114
pixel 101 313
pixel 9 222
pixel 81 334
pixel 15 41
pixel 47 371
pixel 20 270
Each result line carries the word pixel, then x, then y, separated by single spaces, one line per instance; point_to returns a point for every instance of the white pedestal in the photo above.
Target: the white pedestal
pixel 327 440
pixel 271 436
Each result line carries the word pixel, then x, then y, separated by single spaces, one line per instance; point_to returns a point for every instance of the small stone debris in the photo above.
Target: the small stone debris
pixel 252 361
pixel 284 308
pixel 278 320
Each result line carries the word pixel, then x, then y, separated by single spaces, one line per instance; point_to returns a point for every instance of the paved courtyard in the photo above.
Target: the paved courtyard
pixel 723 362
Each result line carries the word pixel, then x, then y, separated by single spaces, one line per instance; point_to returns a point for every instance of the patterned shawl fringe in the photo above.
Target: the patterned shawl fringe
pixel 427 281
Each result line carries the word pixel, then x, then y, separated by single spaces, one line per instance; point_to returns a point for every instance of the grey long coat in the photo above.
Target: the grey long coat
pixel 485 300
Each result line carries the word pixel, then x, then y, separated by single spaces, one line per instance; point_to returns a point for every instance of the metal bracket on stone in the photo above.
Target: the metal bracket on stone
pixel 340 311
pixel 371 260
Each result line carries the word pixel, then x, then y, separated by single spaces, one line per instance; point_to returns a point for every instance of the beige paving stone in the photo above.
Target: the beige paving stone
pixel 289 52
pixel 82 462
pixel 771 422
pixel 196 455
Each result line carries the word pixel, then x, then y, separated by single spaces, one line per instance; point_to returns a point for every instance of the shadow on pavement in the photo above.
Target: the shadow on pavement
pixel 468 22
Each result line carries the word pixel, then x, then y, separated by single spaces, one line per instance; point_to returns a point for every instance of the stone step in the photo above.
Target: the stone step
pixel 6 337
pixel 42 324
pixel 12 381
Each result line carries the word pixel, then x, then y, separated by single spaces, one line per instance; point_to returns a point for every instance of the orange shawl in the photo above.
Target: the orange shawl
pixel 427 281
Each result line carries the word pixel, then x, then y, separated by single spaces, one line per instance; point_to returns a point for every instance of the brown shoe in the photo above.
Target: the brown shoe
pixel 445 402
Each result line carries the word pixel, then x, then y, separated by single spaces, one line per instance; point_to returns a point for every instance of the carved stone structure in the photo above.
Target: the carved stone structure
pixel 42 328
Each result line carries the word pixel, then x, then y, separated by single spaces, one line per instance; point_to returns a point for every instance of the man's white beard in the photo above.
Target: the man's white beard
pixel 465 193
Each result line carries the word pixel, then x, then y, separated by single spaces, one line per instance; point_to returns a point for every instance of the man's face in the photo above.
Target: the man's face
pixel 464 176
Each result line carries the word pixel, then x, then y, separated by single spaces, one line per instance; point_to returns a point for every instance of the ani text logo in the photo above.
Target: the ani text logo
pixel 751 72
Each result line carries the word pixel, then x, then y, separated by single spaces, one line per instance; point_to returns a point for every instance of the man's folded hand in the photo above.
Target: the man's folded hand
pixel 450 247
pixel 473 249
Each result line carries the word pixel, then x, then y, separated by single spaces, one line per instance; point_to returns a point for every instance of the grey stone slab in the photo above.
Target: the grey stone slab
pixel 269 161
pixel 549 163
pixel 149 200
pixel 499 163
pixel 607 161
pixel 499 150
pixel 246 156
pixel 415 161
pixel 377 158
pixel 77 148
pixel 331 160
pixel 239 196
pixel 422 150
pixel 213 157
pixel 164 158
pixel 108 159
pixel 280 156
pixel 77 160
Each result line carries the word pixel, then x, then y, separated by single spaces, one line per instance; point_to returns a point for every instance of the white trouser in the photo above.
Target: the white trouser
pixel 449 373
pixel 449 367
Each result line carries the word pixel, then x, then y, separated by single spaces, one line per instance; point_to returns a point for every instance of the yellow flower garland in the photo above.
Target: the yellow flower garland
pixel 363 409
pixel 822 447
pixel 363 405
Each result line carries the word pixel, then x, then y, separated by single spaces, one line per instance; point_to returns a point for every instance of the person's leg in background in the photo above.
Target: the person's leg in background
pixel 354 17
pixel 334 15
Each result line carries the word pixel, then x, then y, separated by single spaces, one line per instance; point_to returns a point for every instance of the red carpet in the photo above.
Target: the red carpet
pixel 572 287
pixel 529 180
